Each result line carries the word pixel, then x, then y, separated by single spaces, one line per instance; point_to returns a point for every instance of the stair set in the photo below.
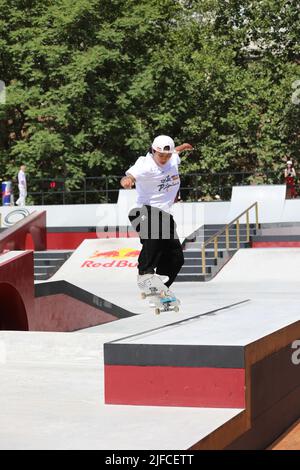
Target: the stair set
pixel 46 263
pixel 192 269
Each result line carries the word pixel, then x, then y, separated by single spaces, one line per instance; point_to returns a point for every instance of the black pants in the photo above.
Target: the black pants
pixel 162 250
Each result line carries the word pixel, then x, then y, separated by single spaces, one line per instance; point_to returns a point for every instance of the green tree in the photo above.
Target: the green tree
pixel 91 82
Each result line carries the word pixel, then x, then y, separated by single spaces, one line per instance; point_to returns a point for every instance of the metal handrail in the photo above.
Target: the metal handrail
pixel 214 238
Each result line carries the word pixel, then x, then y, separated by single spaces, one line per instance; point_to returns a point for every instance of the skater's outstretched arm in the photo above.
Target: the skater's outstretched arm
pixel 182 147
pixel 127 181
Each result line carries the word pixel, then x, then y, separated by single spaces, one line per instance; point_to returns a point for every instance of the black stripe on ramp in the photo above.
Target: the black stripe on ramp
pixel 174 355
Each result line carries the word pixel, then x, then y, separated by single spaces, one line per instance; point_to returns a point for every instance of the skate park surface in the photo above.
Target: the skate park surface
pixel 52 391
pixel 107 269
pixel 56 389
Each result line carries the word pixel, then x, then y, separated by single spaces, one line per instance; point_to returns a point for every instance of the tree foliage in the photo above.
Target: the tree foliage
pixel 89 83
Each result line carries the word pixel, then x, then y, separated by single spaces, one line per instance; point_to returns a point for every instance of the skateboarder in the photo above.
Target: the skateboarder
pixel 157 183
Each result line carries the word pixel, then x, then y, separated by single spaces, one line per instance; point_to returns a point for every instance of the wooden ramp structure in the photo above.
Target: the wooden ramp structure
pixel 244 355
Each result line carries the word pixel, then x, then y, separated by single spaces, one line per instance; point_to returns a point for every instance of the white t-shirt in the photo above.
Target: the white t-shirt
pixel 156 185
pixel 22 179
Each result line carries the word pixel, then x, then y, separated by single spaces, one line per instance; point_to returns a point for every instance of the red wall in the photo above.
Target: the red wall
pixel 175 386
pixel 20 310
pixel 63 313
pixel 16 292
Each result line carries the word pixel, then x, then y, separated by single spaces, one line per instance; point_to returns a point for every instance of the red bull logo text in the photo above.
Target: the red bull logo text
pixel 115 257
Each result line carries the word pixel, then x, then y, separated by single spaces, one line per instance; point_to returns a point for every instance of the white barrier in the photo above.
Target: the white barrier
pixel 270 198
pixel 273 208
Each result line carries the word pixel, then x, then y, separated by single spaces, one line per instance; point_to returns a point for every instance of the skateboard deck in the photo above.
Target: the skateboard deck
pixel 162 300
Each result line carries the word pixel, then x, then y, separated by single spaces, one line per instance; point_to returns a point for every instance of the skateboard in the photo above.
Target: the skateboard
pixel 165 303
pixel 163 300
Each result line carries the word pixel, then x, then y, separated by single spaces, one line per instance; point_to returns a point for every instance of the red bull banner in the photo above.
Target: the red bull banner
pixel 122 258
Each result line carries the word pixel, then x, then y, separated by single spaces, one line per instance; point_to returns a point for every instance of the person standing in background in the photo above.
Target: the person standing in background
pixel 22 185
pixel 290 177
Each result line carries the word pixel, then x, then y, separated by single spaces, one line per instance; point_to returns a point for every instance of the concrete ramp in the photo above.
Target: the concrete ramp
pixel 52 386
pixel 107 269
pixel 221 373
pixel 239 356
pixel 268 265
pixel 108 261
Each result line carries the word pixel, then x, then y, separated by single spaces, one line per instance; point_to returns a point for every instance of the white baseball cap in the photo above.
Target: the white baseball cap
pixel 163 143
pixel 289 162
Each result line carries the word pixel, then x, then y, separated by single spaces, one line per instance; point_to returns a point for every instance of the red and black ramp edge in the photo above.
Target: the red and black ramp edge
pixel 174 375
pixel 261 379
pixel 272 365
pixel 276 241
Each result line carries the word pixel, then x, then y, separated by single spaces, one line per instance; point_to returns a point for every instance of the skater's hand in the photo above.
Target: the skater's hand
pixel 127 182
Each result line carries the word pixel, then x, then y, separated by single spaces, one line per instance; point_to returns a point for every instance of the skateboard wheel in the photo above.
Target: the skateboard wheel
pixel 157 311
pixel 176 309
